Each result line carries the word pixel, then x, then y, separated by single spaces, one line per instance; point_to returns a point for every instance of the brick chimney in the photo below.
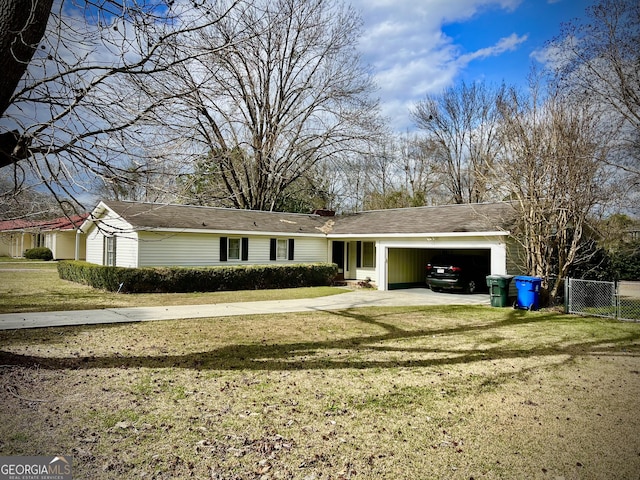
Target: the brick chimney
pixel 324 212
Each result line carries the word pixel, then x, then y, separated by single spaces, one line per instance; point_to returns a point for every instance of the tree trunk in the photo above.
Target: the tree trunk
pixel 22 25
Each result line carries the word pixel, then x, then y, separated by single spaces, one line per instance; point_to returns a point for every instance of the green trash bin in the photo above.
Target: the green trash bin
pixel 499 289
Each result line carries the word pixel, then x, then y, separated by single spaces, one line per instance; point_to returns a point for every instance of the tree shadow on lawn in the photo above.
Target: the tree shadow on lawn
pixel 345 353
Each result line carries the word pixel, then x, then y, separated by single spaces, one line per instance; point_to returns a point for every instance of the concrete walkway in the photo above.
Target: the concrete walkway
pixel 352 299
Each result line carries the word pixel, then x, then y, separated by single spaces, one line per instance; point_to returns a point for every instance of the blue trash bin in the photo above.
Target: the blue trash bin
pixel 528 297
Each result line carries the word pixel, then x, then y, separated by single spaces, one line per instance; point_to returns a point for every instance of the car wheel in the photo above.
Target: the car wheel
pixel 471 286
pixel 435 289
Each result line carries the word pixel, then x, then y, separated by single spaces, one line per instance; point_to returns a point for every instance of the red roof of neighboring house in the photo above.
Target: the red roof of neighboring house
pixel 62 223
pixel 6 225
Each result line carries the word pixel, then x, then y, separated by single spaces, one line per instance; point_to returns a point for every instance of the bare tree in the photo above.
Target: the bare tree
pixel 421 175
pixel 553 166
pixel 285 93
pixel 461 124
pixel 401 172
pixel 27 203
pixel 597 60
pixel 72 117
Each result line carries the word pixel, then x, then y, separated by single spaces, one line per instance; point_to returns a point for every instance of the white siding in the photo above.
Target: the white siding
pixel 94 244
pixel 127 250
pixel 126 243
pixel 180 249
pixel 310 250
pixel 305 250
pixel 259 250
pixel 202 249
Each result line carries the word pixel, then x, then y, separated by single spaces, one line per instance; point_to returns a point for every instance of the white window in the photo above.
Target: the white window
pixel 234 249
pixel 110 251
pixel 40 239
pixel 368 254
pixel 282 249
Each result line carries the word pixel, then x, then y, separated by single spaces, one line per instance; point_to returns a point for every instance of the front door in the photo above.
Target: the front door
pixel 337 257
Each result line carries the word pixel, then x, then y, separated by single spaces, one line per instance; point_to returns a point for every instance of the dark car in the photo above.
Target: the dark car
pixel 457 272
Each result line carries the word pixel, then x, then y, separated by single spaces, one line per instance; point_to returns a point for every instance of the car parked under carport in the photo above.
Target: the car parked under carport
pixel 459 272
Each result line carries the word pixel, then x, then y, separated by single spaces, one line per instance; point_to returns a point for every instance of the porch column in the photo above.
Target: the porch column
pixel 76 255
pixel 382 266
pixel 499 259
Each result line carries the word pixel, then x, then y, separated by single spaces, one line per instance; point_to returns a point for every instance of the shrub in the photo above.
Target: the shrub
pixel 39 253
pixel 205 279
pixel 626 261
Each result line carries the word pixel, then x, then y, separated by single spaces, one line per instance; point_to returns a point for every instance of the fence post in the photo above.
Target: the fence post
pixel 616 299
pixel 566 294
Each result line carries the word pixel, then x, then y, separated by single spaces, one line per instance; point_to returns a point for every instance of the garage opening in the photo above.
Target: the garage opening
pixel 407 266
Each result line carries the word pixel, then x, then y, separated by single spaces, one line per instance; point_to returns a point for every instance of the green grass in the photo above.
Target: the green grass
pixel 29 286
pixel 377 393
pixel 9 262
pixel 397 393
pixel 629 310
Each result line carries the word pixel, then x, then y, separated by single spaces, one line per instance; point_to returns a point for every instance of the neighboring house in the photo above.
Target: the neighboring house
pixel 632 233
pixel 15 237
pixel 390 247
pixel 60 235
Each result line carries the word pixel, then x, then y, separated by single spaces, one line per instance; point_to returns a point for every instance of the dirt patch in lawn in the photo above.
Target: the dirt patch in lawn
pixel 430 392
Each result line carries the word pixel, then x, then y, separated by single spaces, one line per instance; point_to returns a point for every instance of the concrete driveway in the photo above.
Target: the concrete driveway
pixel 351 299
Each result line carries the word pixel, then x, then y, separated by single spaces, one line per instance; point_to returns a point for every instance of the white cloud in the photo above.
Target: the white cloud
pixel 555 55
pixel 411 57
pixel 505 44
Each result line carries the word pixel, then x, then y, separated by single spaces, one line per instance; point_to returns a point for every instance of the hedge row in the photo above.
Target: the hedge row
pixel 205 279
pixel 39 253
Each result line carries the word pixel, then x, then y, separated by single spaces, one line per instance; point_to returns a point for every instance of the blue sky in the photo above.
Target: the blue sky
pixel 420 47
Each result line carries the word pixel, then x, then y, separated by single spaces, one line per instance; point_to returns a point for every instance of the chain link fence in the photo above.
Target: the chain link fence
pixel 629 300
pixel 619 300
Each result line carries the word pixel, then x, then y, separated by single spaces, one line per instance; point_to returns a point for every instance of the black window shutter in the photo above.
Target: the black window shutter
pixel 245 249
pixel 223 249
pixel 359 254
pixel 291 243
pixel 272 249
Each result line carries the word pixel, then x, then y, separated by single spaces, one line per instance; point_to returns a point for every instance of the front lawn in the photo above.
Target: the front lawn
pixel 396 393
pixel 29 286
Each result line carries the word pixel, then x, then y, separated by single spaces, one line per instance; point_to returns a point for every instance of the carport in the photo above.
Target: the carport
pixel 401 262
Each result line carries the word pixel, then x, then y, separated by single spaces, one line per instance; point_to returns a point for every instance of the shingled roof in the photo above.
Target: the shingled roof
pixel 488 217
pixel 150 216
pixel 478 217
